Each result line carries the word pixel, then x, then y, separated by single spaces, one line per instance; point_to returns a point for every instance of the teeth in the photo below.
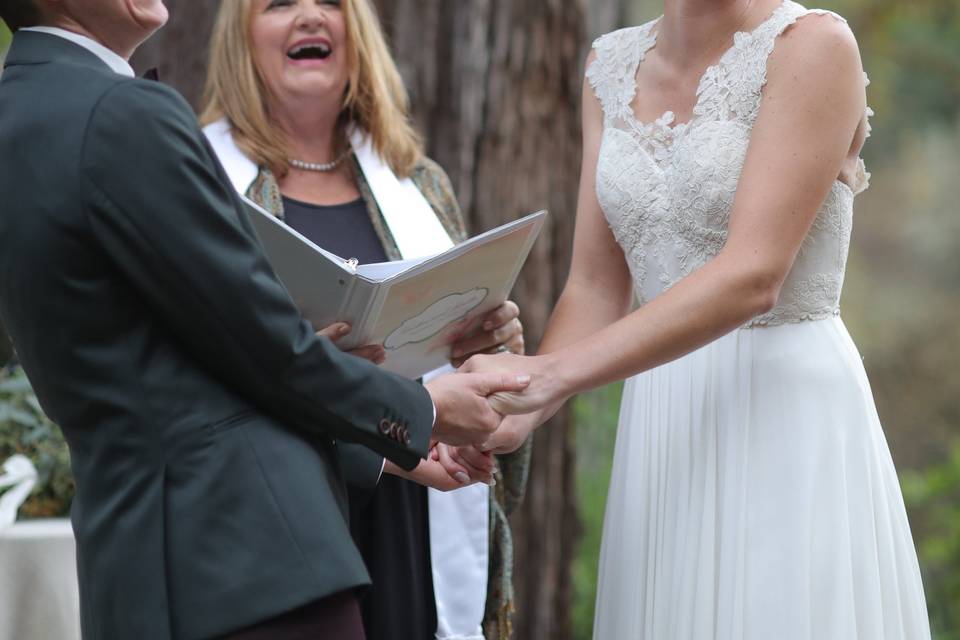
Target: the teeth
pixel 310 50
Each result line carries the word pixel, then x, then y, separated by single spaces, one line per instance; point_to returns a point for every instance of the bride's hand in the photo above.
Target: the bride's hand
pixel 545 394
pixel 375 353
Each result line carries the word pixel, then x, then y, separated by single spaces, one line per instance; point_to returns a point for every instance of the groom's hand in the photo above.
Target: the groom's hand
pixel 464 415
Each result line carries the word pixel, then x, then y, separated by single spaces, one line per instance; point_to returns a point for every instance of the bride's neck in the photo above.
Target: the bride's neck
pixel 691 28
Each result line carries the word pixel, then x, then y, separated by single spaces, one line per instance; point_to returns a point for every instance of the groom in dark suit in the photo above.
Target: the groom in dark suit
pixel 201 410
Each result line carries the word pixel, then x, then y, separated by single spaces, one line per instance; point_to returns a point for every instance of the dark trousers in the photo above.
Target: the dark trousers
pixel 334 618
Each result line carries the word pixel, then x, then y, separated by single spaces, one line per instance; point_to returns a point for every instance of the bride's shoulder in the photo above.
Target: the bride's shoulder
pixel 815 38
pixel 625 38
pixel 617 51
pixel 815 62
pixel 812 27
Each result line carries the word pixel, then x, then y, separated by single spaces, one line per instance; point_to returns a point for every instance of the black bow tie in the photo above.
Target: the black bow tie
pixel 151 74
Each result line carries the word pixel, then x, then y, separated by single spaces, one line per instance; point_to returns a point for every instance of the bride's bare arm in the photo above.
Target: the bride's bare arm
pixel 801 141
pixel 598 291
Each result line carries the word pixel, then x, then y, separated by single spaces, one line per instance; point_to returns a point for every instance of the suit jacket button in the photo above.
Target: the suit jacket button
pixel 385 426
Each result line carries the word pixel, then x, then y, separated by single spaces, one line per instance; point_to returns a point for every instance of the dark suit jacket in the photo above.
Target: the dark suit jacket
pixel 200 409
pixel 6 349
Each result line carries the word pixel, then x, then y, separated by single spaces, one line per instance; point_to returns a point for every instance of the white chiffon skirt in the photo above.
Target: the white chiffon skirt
pixel 753 497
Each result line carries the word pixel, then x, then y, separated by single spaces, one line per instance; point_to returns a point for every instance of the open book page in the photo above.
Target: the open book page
pixel 379 271
pixel 421 316
pixel 415 308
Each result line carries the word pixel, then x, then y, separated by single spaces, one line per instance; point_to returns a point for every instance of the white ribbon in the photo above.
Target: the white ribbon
pixel 459 520
pixel 20 474
pixel 412 221
pixel 459 524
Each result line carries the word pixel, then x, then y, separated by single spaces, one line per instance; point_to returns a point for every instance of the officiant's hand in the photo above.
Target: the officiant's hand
pixel 445 469
pixel 375 353
pixel 464 414
pixel 501 330
pixel 467 464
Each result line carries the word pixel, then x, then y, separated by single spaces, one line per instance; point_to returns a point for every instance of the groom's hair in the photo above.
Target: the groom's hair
pixel 19 13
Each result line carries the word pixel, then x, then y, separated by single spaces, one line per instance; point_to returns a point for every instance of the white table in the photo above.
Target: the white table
pixel 38 582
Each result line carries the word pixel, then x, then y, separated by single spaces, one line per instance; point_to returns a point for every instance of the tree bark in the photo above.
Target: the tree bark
pixel 496 90
pixel 179 50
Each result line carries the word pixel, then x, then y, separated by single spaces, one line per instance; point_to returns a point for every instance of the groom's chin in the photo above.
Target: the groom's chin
pixel 150 15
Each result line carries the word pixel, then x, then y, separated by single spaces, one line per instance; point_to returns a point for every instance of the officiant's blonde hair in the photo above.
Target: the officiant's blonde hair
pixel 375 100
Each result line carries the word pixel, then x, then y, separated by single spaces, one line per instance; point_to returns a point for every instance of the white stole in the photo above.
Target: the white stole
pixel 410 218
pixel 459 555
pixel 459 520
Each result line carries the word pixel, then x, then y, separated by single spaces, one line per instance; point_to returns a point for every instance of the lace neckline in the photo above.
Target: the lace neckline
pixel 664 126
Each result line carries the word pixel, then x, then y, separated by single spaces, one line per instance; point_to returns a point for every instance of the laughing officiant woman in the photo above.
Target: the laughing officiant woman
pixel 308 114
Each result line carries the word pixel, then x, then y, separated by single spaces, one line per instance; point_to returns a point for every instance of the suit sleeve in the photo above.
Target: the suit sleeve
pixel 362 470
pixel 163 211
pixel 6 347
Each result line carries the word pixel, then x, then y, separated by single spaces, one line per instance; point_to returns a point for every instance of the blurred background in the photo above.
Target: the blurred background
pixel 496 87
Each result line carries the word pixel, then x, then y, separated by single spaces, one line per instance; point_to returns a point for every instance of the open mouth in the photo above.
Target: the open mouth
pixel 311 51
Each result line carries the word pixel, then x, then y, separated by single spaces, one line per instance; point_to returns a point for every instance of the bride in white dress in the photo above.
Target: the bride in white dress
pixel 753 495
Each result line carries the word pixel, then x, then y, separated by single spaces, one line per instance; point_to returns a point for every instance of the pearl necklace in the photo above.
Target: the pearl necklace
pixel 322 167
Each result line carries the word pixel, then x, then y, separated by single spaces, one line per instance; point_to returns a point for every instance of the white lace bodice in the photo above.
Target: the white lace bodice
pixel 667 190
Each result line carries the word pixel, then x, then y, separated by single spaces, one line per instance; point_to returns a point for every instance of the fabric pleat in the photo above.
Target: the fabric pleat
pixel 753 497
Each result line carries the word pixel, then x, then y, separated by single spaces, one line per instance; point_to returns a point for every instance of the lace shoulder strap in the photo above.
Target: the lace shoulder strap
pixel 784 17
pixel 612 74
pixel 733 88
pixel 739 78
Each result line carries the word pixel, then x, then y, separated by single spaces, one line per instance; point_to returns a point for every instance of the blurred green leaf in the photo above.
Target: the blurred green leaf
pixel 24 429
pixel 18 385
pixel 4 39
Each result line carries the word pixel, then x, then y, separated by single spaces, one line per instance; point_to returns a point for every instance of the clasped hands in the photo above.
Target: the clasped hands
pixel 472 404
pixel 485 408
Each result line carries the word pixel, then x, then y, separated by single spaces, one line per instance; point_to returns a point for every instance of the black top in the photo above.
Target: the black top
pixel 343 229
pixel 391 526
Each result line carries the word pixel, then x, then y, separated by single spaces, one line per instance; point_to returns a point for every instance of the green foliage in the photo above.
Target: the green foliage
pixel 911 51
pixel 595 415
pixel 26 430
pixel 933 496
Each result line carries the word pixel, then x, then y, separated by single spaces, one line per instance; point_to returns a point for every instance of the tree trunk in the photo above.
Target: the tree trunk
pixel 495 87
pixel 179 50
